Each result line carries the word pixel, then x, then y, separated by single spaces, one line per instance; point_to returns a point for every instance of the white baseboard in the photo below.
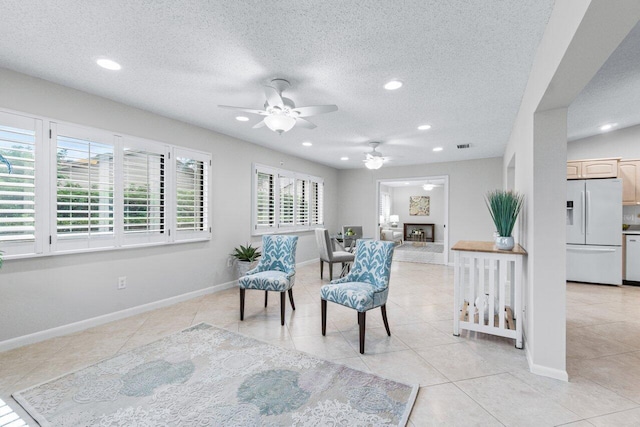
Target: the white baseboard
pixel 545 371
pixel 106 318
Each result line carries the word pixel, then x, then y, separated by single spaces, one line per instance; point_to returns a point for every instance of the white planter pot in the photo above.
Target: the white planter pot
pixel 505 243
pixel 243 266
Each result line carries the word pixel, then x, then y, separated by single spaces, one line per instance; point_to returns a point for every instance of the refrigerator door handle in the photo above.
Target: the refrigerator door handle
pixel 582 249
pixel 588 212
pixel 583 224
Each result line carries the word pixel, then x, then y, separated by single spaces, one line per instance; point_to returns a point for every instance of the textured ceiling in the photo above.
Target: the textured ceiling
pixel 613 95
pixel 464 64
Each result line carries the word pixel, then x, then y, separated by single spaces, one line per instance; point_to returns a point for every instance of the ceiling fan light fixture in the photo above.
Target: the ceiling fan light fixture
pixel 279 123
pixel 374 162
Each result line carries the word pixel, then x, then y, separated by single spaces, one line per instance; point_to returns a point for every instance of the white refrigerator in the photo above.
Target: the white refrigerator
pixel 594 231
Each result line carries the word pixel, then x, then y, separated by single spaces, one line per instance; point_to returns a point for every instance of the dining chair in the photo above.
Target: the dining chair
pixel 365 287
pixel 328 254
pixel 275 271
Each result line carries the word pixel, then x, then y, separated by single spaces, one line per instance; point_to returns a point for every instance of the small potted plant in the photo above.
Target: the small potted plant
pixel 245 258
pixel 504 207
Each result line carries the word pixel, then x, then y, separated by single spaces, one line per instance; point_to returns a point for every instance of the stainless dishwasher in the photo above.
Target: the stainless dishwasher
pixel 633 257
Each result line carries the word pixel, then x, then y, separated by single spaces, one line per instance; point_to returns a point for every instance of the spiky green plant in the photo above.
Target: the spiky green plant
pixel 246 253
pixel 504 207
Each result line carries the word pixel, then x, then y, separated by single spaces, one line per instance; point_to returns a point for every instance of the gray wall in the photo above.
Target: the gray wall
pixel 42 293
pixel 469 180
pixel 400 206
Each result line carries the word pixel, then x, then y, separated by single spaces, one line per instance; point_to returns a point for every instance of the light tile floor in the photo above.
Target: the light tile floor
pixel 473 379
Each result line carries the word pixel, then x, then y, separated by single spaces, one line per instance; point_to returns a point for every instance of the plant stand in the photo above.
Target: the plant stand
pixel 481 269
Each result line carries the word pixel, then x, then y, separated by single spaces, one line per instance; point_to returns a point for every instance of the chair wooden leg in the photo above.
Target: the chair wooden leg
pixel 242 304
pixel 330 270
pixel 266 297
pixel 324 316
pixel 362 318
pixel 383 308
pixel 293 305
pixel 282 301
pixel 321 268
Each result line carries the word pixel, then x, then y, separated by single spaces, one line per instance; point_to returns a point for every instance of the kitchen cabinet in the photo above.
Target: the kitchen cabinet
pixel 595 168
pixel 629 172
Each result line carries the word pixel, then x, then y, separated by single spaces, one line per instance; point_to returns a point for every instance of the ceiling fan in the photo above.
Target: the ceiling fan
pixel 374 159
pixel 281 114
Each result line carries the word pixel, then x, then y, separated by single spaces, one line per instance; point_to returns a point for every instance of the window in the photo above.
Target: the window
pixel 84 188
pixel 18 138
pixel 265 199
pixel 385 206
pixel 316 202
pixel 286 200
pixel 144 199
pixel 191 194
pixel 75 189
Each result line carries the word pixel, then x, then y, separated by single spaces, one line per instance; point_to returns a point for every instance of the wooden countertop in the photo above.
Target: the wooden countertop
pixel 473 246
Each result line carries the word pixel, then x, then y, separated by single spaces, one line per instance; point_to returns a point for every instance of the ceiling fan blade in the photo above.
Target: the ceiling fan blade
pixel 314 110
pixel 274 98
pixel 305 123
pixel 246 110
pixel 259 124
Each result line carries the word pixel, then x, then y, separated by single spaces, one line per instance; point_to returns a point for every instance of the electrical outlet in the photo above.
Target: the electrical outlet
pixel 122 282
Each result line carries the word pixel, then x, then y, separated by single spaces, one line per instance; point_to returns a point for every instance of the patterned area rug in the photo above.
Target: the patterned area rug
pixel 206 376
pixel 422 252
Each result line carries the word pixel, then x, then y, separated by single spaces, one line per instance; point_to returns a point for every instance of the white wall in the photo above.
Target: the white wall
pixel 400 206
pixel 42 293
pixel 580 36
pixel 623 143
pixel 469 181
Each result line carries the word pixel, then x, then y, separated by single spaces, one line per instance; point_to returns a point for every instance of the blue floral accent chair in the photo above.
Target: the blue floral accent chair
pixel 275 272
pixel 365 287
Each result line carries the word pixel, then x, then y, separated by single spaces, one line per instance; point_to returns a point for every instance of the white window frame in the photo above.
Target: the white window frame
pixel 256 229
pixel 46 241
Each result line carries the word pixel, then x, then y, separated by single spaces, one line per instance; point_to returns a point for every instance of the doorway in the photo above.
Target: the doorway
pixel 414 212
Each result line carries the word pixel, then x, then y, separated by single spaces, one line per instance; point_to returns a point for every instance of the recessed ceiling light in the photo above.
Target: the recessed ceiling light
pixel 344 158
pixel 108 64
pixel 437 149
pixel 424 127
pixel 393 85
pixel 242 119
pixel 406 183
pixel 608 126
pixel 307 144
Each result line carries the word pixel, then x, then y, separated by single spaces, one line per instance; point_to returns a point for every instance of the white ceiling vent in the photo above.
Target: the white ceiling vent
pixel 461 146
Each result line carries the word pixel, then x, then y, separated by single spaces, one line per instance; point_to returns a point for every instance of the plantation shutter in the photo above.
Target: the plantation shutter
pixel 317 203
pixel 287 198
pixel 385 206
pixel 18 188
pixel 192 211
pixel 84 187
pixel 265 209
pixel 144 191
pixel 302 202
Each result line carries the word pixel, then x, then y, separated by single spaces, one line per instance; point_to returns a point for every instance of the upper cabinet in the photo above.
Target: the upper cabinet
pixel 588 169
pixel 629 172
